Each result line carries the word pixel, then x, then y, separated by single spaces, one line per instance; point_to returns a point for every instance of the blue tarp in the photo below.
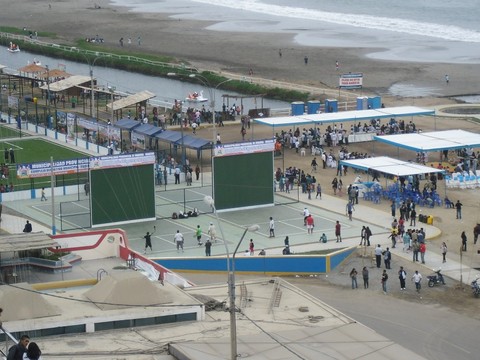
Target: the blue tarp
pixel 126 124
pixel 193 142
pixel 169 136
pixel 147 129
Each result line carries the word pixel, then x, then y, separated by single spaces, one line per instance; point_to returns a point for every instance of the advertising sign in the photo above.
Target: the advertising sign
pixel 351 81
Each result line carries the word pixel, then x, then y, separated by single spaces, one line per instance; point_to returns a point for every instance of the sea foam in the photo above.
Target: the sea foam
pixel 404 26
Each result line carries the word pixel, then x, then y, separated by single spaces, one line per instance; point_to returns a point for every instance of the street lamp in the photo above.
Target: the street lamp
pixel 211 93
pixel 92 89
pixel 231 277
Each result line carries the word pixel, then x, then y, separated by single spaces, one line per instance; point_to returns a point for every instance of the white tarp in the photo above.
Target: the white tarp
pixel 433 141
pixel 344 116
pixel 389 165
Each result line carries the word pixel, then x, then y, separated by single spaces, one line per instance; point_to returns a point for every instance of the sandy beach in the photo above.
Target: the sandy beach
pixel 190 41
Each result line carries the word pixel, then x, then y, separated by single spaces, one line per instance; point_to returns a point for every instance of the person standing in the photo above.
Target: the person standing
pixel 12 156
pixel 306 214
pixel 208 247
pixel 286 241
pixel 415 249
pixel 417 278
pixel 413 217
pixel 365 277
pixel 402 275
pixel 444 251
pixel 335 186
pixel 33 352
pixel 178 240
pixel 212 232
pixel 458 206
pixel 198 235
pixel 368 234
pixel 353 276
pixel 423 249
pixel 447 79
pixel 16 351
pixel 387 257
pixel 363 232
pixel 310 224
pixel 319 191
pixel 338 231
pixel 272 227
pixel 384 281
pixel 177 175
pixel 251 247
pixel 476 232
pixel 378 255
pixel 197 172
pixel 393 208
pixel 86 187
pixel 148 241
pixel 464 241
pixel 43 195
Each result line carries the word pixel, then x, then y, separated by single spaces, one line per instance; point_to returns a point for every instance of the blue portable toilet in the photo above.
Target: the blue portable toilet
pixel 362 102
pixel 313 106
pixel 375 102
pixel 331 105
pixel 298 108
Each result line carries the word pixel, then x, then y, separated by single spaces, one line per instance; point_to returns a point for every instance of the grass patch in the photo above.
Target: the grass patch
pixel 9 132
pixel 37 150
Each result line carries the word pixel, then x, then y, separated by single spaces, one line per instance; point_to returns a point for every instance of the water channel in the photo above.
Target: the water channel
pixel 166 89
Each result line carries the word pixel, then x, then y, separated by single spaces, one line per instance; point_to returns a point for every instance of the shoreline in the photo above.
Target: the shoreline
pixel 238 52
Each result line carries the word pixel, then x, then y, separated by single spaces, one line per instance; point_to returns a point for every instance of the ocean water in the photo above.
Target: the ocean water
pixel 409 30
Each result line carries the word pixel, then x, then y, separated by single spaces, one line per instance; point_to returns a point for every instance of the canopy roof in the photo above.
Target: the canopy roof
pixel 26 241
pixel 131 100
pixel 433 141
pixel 33 69
pixel 127 124
pixel 147 129
pixel 66 84
pixel 169 136
pixel 390 166
pixel 55 73
pixel 193 142
pixel 344 116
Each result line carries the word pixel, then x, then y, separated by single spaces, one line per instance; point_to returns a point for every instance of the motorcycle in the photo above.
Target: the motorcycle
pixel 475 288
pixel 436 278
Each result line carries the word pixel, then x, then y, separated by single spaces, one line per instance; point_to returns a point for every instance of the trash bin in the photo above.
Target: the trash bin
pixel 430 220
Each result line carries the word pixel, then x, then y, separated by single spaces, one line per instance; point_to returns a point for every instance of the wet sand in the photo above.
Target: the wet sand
pixel 189 41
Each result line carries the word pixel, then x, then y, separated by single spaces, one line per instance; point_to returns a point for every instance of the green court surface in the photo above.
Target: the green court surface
pixel 7 132
pixel 30 150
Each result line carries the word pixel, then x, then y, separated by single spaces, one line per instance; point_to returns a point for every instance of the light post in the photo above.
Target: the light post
pixel 211 93
pixel 231 277
pixel 92 88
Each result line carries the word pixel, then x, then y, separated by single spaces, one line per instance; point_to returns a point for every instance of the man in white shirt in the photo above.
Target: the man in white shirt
pixel 178 239
pixel 272 227
pixel 417 278
pixel 306 214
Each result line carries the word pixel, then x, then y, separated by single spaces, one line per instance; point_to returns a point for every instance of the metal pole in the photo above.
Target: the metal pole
pixel 52 185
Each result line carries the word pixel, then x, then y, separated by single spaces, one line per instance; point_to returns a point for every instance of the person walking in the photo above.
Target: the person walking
pixel 365 277
pixel 338 231
pixel 387 257
pixel 423 249
pixel 444 251
pixel 413 217
pixel 363 234
pixel 335 186
pixel 212 232
pixel 458 206
pixel 208 247
pixel 178 240
pixel 368 234
pixel 319 191
pixel 43 198
pixel 402 276
pixel 353 276
pixel 417 278
pixel 286 241
pixel 306 214
pixel 272 227
pixel 251 247
pixel 350 208
pixel 198 235
pixel 378 255
pixel 310 224
pixel 384 281
pixel 464 241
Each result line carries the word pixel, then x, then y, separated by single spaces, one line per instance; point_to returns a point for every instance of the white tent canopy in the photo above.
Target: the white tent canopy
pixel 344 116
pixel 433 141
pixel 390 166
